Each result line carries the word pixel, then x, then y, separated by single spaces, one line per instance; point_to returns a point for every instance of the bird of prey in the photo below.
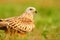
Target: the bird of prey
pixel 20 24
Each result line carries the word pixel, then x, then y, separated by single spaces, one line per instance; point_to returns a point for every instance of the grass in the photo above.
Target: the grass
pixel 47 21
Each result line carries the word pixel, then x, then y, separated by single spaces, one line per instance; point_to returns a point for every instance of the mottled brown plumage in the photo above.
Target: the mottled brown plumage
pixel 21 24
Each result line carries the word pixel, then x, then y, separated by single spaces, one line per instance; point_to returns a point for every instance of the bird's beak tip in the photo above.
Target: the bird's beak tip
pixel 35 11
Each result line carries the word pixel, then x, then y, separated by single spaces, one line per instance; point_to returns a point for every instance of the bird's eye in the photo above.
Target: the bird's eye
pixel 31 9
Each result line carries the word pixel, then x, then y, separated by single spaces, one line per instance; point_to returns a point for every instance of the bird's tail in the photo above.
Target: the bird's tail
pixel 2 24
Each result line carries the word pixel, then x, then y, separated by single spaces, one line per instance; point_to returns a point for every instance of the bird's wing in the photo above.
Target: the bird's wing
pixel 20 24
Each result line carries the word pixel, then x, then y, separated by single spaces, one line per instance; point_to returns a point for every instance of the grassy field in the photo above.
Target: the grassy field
pixel 47 20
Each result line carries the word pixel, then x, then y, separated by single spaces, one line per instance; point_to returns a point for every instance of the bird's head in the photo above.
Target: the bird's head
pixel 31 10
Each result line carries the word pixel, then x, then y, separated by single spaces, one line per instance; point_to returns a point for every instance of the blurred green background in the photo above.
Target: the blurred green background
pixel 47 20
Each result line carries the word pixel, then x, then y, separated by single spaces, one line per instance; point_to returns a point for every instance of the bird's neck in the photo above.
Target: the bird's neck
pixel 28 15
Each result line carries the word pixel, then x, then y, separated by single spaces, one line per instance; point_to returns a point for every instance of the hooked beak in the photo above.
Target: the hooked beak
pixel 35 11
